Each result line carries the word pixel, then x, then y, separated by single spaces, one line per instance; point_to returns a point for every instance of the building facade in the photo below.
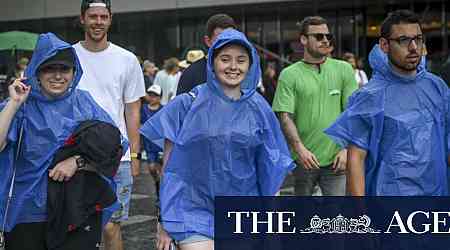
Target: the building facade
pixel 158 29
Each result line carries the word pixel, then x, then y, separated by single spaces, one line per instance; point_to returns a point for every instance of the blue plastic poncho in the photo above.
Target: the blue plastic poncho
pixel 221 147
pixel 46 125
pixel 401 123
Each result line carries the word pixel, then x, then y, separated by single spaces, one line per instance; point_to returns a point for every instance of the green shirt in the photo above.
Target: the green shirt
pixel 315 98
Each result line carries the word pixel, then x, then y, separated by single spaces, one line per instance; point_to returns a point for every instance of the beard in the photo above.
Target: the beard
pixel 407 67
pixel 315 53
pixel 94 37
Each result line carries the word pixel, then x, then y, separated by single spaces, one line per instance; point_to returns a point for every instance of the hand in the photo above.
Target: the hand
pixel 307 159
pixel 135 167
pixel 163 239
pixel 18 91
pixel 340 161
pixel 64 170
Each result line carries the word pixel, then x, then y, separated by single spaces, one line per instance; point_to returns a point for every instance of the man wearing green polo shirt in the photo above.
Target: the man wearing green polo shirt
pixel 310 96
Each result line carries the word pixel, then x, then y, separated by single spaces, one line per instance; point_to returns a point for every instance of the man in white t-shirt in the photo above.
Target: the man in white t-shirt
pixel 112 75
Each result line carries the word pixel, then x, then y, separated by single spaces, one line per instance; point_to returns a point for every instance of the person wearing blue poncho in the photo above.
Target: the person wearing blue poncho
pixel 222 139
pixel 396 126
pixel 43 110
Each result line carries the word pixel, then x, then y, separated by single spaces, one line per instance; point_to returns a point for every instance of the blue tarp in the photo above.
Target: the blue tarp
pixel 222 147
pixel 402 124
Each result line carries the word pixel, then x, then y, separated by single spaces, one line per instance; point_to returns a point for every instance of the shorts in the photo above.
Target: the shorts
pixel 193 239
pixel 124 183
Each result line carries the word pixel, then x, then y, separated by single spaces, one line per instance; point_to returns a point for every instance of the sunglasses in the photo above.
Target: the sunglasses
pixel 320 36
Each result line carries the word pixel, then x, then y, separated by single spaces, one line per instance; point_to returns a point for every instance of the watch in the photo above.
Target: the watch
pixel 137 156
pixel 81 162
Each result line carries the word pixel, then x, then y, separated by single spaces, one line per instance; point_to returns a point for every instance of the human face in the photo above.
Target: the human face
pixel 317 41
pixel 231 65
pixel 55 80
pixel 154 99
pixel 96 22
pixel 150 70
pixel 210 40
pixel 404 47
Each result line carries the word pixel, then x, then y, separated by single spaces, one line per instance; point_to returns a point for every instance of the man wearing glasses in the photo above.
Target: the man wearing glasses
pixel 310 96
pixel 396 127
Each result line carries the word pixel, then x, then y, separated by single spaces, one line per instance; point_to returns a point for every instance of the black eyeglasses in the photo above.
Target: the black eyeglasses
pixel 405 41
pixel 320 36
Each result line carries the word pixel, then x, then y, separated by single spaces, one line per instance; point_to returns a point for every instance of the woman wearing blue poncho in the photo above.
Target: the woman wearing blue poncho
pixel 43 110
pixel 222 139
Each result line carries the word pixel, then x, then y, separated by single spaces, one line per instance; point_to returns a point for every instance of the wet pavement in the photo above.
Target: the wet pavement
pixel 139 231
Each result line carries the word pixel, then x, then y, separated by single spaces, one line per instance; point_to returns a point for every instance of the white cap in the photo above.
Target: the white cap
pixel 156 89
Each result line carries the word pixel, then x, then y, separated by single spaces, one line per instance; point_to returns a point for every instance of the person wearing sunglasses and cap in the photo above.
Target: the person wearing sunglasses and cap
pixel 310 96
pixel 113 76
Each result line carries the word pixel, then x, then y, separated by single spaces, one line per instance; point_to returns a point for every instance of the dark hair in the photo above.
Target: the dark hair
pixel 348 55
pixel 303 26
pixel 85 5
pixel 248 50
pixel 222 21
pixel 398 17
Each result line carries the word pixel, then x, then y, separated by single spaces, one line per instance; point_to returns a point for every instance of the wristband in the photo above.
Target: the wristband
pixel 137 156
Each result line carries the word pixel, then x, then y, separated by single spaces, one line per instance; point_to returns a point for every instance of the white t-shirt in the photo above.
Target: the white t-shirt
pixel 168 84
pixel 361 77
pixel 113 77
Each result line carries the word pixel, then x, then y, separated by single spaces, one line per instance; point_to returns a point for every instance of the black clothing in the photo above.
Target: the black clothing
pixel 75 211
pixel 99 143
pixel 445 72
pixel 148 81
pixel 27 236
pixel 192 76
pixel 269 89
pixel 75 207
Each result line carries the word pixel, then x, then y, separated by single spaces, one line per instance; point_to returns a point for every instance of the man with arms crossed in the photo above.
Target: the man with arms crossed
pixel 113 77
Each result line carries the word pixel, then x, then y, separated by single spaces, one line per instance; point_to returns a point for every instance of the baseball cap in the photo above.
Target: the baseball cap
pixel 86 4
pixel 155 89
pixel 63 57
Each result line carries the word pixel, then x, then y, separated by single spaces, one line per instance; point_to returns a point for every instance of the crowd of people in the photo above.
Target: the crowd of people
pixel 211 125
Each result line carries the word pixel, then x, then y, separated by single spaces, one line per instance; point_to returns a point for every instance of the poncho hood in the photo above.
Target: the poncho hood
pixel 47 46
pixel 249 84
pixel 381 67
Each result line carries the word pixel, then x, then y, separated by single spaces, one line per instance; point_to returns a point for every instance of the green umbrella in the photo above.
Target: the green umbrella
pixel 18 40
